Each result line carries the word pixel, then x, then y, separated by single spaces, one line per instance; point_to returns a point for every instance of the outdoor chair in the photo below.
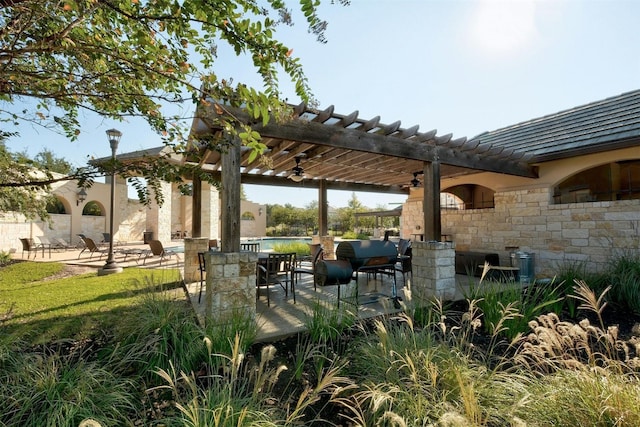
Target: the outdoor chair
pixel 157 249
pixel 29 246
pixel 309 266
pixel 91 246
pixel 251 247
pixel 63 244
pixel 213 244
pixel 404 259
pixel 277 269
pixel 46 243
pixel 106 237
pixel 203 269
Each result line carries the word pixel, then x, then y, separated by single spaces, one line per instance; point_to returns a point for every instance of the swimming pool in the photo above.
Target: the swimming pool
pixel 266 243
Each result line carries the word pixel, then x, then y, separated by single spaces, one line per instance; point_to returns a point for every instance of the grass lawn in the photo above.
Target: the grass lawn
pixel 41 310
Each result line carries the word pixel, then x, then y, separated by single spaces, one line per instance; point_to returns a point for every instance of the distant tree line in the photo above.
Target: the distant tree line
pixel 289 220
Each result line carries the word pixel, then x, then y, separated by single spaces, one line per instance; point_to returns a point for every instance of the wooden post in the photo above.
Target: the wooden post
pixel 231 197
pixel 323 209
pixel 196 205
pixel 431 202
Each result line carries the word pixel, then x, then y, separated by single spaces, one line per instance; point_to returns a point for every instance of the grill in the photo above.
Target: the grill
pixel 367 253
pixel 376 256
pixel 333 272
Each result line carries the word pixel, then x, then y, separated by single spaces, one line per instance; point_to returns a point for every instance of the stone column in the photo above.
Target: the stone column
pixel 193 245
pixel 159 217
pixel 327 243
pixel 434 274
pixel 231 286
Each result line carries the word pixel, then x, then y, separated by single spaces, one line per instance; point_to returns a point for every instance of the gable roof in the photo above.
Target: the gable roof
pixel 611 123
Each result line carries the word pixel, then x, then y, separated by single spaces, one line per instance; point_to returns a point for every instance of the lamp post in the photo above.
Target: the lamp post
pixel 111 266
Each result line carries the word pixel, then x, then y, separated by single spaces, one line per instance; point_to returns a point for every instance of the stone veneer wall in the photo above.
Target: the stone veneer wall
pixel 193 245
pixel 210 215
pixel 158 218
pixel 327 243
pixel 433 265
pixel 589 232
pixel 231 286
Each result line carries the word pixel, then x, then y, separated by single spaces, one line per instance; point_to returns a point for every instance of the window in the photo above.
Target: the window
pixel 469 196
pixel 613 181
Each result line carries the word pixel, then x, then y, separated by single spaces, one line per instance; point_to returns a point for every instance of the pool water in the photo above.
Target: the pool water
pixel 266 243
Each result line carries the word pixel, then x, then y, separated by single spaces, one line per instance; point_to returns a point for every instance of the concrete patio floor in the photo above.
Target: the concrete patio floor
pixel 283 317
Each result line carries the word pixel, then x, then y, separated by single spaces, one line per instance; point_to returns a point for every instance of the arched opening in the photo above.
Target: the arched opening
pixel 470 196
pixel 612 181
pixel 248 216
pixel 93 209
pixel 56 206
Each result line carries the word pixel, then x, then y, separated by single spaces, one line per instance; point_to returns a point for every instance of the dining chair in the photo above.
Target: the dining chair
pixel 29 246
pixel 203 269
pixel 309 267
pixel 251 247
pixel 277 269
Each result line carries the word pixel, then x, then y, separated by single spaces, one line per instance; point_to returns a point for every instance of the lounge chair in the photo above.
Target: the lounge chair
pixel 91 246
pixel 157 249
pixel 63 244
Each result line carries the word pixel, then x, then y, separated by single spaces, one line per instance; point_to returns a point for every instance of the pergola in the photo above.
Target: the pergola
pixel 341 152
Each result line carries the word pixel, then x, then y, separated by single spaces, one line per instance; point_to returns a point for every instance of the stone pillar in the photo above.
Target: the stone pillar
pixel 434 274
pixel 193 245
pixel 327 243
pixel 159 217
pixel 210 214
pixel 231 286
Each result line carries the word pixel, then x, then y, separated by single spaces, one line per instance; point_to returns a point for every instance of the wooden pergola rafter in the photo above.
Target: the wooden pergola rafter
pixel 347 152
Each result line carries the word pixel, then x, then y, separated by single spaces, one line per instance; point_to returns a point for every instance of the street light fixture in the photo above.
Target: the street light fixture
pixel 111 266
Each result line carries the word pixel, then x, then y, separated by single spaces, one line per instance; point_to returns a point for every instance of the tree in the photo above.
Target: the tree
pixel 132 58
pixel 346 215
pixel 23 197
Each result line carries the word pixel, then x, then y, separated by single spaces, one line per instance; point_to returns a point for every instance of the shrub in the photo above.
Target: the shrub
pixel 300 248
pixel 352 235
pixel 40 389
pixel 5 258
pixel 623 275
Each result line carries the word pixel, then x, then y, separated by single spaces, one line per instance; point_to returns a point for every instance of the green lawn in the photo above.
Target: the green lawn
pixel 44 310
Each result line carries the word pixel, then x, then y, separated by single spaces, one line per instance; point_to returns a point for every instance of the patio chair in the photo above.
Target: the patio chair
pixel 277 269
pixel 63 244
pixel 203 269
pixel 251 247
pixel 91 246
pixel 404 259
pixel 29 246
pixel 213 244
pixel 309 267
pixel 157 249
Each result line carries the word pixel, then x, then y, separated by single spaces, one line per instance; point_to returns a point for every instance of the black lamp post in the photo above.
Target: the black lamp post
pixel 111 266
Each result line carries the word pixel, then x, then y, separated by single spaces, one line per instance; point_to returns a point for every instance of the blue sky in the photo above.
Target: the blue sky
pixel 461 67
